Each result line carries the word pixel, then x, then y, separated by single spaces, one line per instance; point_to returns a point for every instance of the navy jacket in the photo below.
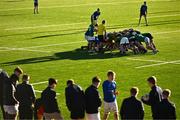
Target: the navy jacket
pixel 132 108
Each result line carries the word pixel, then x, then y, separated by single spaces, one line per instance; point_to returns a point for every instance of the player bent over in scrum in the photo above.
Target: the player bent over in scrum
pixel 124 45
pixel 140 38
pixel 93 41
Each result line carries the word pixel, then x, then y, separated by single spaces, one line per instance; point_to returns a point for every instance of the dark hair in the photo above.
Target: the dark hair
pixel 18 69
pixel 52 81
pixel 98 9
pixel 25 77
pixel 152 80
pixel 111 73
pixel 166 92
pixel 144 2
pixel 103 22
pixel 134 90
pixel 70 82
pixel 96 79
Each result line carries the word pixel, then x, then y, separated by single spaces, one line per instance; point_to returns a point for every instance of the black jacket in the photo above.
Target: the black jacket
pixel 49 101
pixel 3 77
pixel 75 98
pixel 25 94
pixel 166 110
pixel 155 97
pixel 132 108
pixel 93 100
pixel 9 93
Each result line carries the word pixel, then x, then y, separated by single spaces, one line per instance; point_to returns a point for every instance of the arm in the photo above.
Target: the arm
pixel 68 103
pixel 141 109
pixel 33 95
pixel 151 99
pixel 98 98
pixel 122 110
pixel 13 94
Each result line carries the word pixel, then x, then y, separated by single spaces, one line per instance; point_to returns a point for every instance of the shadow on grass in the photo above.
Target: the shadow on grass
pixel 7 15
pixel 77 54
pixel 53 35
pixel 158 12
pixel 81 30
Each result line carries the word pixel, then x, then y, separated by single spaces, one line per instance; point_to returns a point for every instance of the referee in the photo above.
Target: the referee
pixel 143 12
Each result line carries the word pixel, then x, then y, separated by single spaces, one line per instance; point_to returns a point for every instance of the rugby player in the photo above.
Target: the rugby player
pixel 95 16
pixel 143 12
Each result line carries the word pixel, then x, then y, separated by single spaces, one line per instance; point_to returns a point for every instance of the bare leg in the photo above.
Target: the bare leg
pixel 116 117
pixel 139 20
pixel 34 10
pixel 105 117
pixel 146 20
pixel 37 10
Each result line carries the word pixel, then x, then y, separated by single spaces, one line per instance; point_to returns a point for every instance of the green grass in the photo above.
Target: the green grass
pixel 64 62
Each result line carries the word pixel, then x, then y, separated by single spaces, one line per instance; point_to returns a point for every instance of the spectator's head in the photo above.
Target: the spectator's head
pixel 152 81
pixel 166 93
pixel 98 9
pixel 96 81
pixel 52 82
pixel 134 91
pixel 103 22
pixel 111 75
pixel 25 78
pixel 144 2
pixel 18 71
pixel 70 82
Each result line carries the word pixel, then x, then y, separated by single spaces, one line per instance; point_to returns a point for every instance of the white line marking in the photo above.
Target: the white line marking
pixel 159 16
pixel 89 4
pixel 157 33
pixel 39 91
pixel 137 59
pixel 68 43
pixel 23 49
pixel 38 83
pixel 157 64
pixel 43 26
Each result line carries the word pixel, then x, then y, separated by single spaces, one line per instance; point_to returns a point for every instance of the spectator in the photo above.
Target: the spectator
pixel 3 78
pixel 10 103
pixel 75 100
pixel 16 75
pixel 154 97
pixel 26 96
pixel 49 101
pixel 166 109
pixel 93 100
pixel 110 102
pixel 131 107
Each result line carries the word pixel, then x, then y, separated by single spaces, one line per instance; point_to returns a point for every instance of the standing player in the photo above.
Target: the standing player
pixel 143 12
pixel 36 6
pixel 101 34
pixel 95 16
pixel 110 93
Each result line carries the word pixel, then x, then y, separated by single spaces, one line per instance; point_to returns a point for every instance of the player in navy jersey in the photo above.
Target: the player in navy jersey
pixel 36 6
pixel 94 16
pixel 143 12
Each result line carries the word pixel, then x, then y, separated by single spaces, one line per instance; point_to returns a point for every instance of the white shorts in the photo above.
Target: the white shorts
pixel 147 40
pixel 110 107
pixel 95 116
pixel 90 38
pixel 124 40
pixel 11 109
pixel 49 116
